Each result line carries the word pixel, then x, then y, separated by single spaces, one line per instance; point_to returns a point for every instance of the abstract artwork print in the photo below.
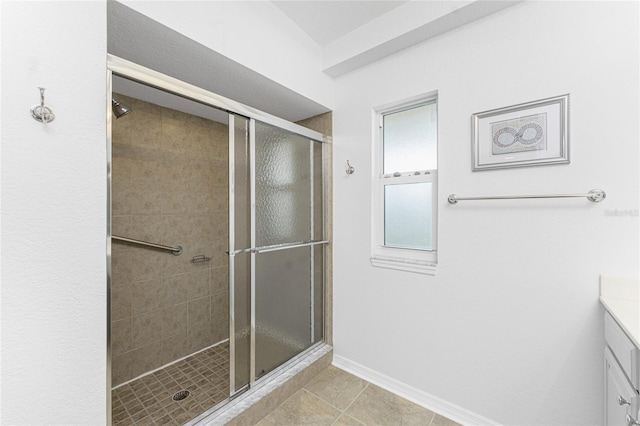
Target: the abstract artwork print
pixel 519 134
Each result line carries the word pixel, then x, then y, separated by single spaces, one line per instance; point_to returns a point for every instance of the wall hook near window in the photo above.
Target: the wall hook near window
pixel 349 169
pixel 42 113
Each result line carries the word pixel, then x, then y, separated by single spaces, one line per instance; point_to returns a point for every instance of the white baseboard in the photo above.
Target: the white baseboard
pixel 433 403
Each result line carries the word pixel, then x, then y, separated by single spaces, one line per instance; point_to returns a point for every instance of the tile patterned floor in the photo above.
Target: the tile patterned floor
pixel 148 400
pixel 335 397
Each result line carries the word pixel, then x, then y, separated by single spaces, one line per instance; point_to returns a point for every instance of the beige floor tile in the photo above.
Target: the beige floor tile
pixel 438 420
pixel 346 420
pixel 302 408
pixel 376 406
pixel 337 387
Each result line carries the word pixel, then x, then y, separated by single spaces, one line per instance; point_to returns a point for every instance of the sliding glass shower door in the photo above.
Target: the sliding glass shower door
pixel 284 260
pixel 167 185
pixel 277 251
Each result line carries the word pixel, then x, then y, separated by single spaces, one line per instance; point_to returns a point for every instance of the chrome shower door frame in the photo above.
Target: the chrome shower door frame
pixel 108 241
pixel 148 77
pixel 254 251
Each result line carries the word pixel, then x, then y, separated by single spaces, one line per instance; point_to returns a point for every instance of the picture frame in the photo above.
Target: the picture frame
pixel 529 134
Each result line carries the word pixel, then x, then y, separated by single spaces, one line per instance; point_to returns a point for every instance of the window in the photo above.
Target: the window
pixel 405 187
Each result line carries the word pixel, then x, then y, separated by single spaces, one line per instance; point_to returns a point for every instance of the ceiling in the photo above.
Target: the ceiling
pixel 326 21
pixel 355 33
pixel 351 34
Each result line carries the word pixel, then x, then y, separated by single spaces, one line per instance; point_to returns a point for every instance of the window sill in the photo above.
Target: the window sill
pixel 416 266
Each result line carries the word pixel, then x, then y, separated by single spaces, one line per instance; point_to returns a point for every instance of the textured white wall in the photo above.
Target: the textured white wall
pixel 255 34
pixel 510 327
pixel 53 214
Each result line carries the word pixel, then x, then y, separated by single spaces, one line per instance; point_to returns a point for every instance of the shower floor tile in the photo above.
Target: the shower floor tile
pixel 149 399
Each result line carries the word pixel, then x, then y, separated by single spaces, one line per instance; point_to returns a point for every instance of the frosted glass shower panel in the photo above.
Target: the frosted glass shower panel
pixel 283 306
pixel 241 262
pixel 318 293
pixel 318 197
pixel 241 319
pixel 407 216
pixel 282 186
pixel 410 139
pixel 241 185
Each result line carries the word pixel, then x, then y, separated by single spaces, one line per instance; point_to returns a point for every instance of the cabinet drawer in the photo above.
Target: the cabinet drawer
pixel 623 348
pixel 620 398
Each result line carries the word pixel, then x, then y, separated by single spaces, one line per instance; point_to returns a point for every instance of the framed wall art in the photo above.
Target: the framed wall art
pixel 530 134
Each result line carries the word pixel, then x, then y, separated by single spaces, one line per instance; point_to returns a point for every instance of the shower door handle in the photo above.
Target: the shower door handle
pixel 267 249
pixel 276 247
pixel 233 253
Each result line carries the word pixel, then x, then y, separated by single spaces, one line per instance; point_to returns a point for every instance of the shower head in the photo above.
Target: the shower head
pixel 119 109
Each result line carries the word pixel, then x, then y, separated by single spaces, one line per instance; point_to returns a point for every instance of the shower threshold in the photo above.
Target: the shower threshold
pixel 226 411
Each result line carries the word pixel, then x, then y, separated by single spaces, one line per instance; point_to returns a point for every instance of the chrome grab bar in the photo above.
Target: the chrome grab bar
pixel 595 195
pixel 266 249
pixel 176 251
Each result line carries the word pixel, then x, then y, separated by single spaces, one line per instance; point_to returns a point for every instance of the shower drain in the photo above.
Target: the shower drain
pixel 179 396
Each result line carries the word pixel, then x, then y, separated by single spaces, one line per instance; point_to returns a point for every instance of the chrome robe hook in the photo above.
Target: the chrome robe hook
pixel 349 169
pixel 42 113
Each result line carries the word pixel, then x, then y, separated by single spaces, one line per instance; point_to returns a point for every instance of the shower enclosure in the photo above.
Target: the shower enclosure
pixel 216 246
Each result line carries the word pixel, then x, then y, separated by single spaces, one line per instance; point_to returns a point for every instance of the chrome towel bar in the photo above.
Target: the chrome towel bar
pixel 595 195
pixel 176 251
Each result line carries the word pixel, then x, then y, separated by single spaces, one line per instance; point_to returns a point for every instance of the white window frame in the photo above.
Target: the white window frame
pixel 404 259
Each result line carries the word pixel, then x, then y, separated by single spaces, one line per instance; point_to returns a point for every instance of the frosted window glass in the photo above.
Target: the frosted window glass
pixel 407 216
pixel 410 139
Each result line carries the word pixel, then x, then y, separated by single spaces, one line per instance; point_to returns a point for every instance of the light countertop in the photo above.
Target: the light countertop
pixel 621 298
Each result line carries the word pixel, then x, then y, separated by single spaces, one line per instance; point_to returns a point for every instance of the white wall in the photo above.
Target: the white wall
pixel 53 308
pixel 510 327
pixel 255 34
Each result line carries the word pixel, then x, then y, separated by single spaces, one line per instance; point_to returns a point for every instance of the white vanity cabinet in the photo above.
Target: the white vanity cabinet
pixel 622 376
pixel 619 394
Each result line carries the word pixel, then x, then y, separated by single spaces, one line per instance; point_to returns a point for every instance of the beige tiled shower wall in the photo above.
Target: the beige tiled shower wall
pixel 169 186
